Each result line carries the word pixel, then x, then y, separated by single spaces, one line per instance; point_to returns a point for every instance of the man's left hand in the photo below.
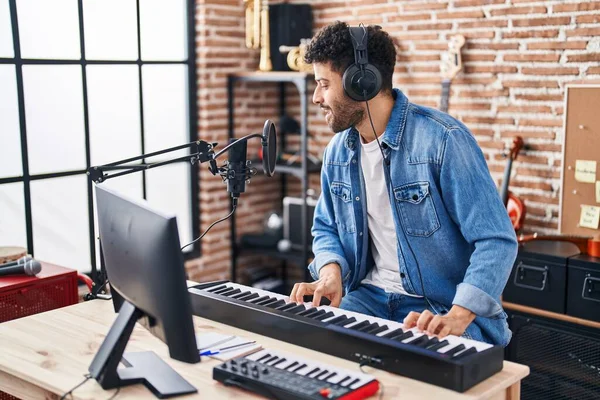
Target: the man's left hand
pixel 455 322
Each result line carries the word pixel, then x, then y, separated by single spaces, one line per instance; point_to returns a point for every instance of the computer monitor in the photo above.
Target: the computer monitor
pixel 144 265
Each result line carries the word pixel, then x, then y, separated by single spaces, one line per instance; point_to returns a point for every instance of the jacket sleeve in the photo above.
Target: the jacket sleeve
pixel 326 246
pixel 471 197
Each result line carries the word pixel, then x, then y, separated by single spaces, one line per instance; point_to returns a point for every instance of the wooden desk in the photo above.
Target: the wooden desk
pixel 47 354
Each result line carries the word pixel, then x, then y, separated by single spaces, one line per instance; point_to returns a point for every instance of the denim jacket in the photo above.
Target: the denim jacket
pixel 452 220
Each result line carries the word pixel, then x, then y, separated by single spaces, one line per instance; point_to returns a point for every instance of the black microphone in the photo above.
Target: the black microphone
pixel 20 261
pixel 30 268
pixel 236 168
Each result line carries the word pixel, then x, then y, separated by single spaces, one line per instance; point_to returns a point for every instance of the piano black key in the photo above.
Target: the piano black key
pixel 264 358
pixel 276 304
pixel 223 290
pixel 369 327
pixel 315 369
pixel 353 382
pixel 315 374
pixel 308 312
pixel 270 359
pixel 337 319
pixel 379 330
pixel 292 365
pixel 346 322
pixel 238 295
pixel 432 341
pixel 286 307
pixel 322 374
pixel 401 337
pixel 248 297
pixel 420 341
pixel 318 314
pixel 438 346
pixel 454 350
pixel 278 362
pixel 470 350
pixel 209 285
pixel 236 291
pixel 331 375
pixel 226 292
pixel 297 309
pixel 360 325
pixel 297 368
pixel 270 301
pixel 344 380
pixel 328 314
pixel 393 333
pixel 262 298
pixel 214 289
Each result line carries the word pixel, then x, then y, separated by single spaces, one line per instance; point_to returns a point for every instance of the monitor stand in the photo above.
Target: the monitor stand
pixel 145 367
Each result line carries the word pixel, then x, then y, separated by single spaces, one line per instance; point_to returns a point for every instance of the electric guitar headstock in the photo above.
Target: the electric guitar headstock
pixel 451 60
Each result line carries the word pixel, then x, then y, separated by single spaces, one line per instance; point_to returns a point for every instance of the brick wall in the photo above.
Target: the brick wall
pixel 519 56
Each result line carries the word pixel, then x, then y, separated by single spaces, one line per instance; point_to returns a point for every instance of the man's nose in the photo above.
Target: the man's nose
pixel 317 98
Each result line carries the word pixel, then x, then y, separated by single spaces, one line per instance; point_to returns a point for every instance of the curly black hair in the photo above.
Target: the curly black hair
pixel 333 44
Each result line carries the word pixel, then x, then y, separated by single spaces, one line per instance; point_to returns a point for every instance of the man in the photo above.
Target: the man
pixel 414 231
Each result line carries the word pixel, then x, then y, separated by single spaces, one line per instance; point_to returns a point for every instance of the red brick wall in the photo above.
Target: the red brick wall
pixel 518 58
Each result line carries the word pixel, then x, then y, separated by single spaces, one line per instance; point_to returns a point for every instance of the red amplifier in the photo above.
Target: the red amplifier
pixel 22 295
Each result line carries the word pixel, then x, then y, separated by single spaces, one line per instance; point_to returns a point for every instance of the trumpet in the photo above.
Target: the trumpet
pixel 295 57
pixel 257 31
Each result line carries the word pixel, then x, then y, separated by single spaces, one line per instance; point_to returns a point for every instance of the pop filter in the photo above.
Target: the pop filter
pixel 269 148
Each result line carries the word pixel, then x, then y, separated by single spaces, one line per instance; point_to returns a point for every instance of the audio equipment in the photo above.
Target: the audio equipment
pixel 280 375
pixel 30 268
pixel 292 220
pixel 289 24
pixel 450 67
pixel 361 80
pixel 237 169
pixel 452 362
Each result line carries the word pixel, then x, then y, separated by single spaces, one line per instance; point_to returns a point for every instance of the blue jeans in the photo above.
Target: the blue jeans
pixel 374 301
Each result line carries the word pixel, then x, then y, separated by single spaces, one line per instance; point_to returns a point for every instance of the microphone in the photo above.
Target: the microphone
pixel 30 268
pixel 236 168
pixel 20 261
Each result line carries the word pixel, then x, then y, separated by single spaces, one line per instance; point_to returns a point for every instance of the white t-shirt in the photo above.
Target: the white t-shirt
pixel 382 230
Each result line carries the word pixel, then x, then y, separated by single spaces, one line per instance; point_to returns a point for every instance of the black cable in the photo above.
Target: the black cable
pixel 115 394
pixel 360 366
pixel 87 377
pixel 235 200
pixel 386 164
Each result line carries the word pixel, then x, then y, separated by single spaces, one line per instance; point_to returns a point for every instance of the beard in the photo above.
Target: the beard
pixel 343 114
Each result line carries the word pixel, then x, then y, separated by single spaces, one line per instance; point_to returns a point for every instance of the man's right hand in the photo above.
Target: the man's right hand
pixel 329 285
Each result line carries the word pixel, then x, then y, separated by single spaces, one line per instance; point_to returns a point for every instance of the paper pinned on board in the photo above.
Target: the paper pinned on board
pixel 585 171
pixel 590 217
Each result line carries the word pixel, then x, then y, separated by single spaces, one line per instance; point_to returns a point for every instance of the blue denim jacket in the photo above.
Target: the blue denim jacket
pixel 451 214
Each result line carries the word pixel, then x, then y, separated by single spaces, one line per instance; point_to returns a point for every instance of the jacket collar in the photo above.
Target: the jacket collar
pixel 394 128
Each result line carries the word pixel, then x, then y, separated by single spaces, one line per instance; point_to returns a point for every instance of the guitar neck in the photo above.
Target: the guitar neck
pixel 445 95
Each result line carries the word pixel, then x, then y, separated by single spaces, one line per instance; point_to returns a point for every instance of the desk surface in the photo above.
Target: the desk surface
pixel 50 353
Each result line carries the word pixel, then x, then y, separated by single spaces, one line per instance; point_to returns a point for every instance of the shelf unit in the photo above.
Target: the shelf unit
pixel 300 170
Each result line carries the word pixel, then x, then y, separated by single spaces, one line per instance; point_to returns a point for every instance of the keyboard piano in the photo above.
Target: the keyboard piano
pixel 280 375
pixel 453 362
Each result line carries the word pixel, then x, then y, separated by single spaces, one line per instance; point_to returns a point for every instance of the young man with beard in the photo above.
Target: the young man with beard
pixel 413 231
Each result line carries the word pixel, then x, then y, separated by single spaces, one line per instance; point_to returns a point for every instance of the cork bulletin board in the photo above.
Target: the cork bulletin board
pixel 580 198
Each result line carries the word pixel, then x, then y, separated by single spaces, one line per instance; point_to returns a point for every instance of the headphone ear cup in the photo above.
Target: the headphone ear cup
pixel 355 83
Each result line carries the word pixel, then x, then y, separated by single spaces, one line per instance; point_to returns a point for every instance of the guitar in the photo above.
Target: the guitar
pixel 450 67
pixel 514 205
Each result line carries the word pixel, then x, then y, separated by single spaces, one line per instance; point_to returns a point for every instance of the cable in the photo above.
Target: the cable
pixel 386 164
pixel 235 200
pixel 360 366
pixel 87 377
pixel 115 394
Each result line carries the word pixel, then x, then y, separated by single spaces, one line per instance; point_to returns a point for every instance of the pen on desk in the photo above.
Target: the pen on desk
pixel 224 349
pixel 227 339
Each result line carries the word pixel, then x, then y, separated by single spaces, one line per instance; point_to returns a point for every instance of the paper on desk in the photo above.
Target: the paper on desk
pixel 213 341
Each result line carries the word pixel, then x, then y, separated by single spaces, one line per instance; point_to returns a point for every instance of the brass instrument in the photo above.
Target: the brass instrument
pixel 257 31
pixel 295 57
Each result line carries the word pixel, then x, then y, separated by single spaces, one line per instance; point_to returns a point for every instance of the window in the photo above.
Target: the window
pixel 84 83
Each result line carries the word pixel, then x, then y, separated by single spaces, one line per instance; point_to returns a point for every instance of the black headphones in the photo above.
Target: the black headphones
pixel 361 80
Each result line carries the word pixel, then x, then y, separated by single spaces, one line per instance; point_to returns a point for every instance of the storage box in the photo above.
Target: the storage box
pixel 539 276
pixel 22 295
pixel 583 293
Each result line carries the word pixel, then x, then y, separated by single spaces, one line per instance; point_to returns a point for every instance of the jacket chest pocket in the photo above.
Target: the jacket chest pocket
pixel 341 194
pixel 418 211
